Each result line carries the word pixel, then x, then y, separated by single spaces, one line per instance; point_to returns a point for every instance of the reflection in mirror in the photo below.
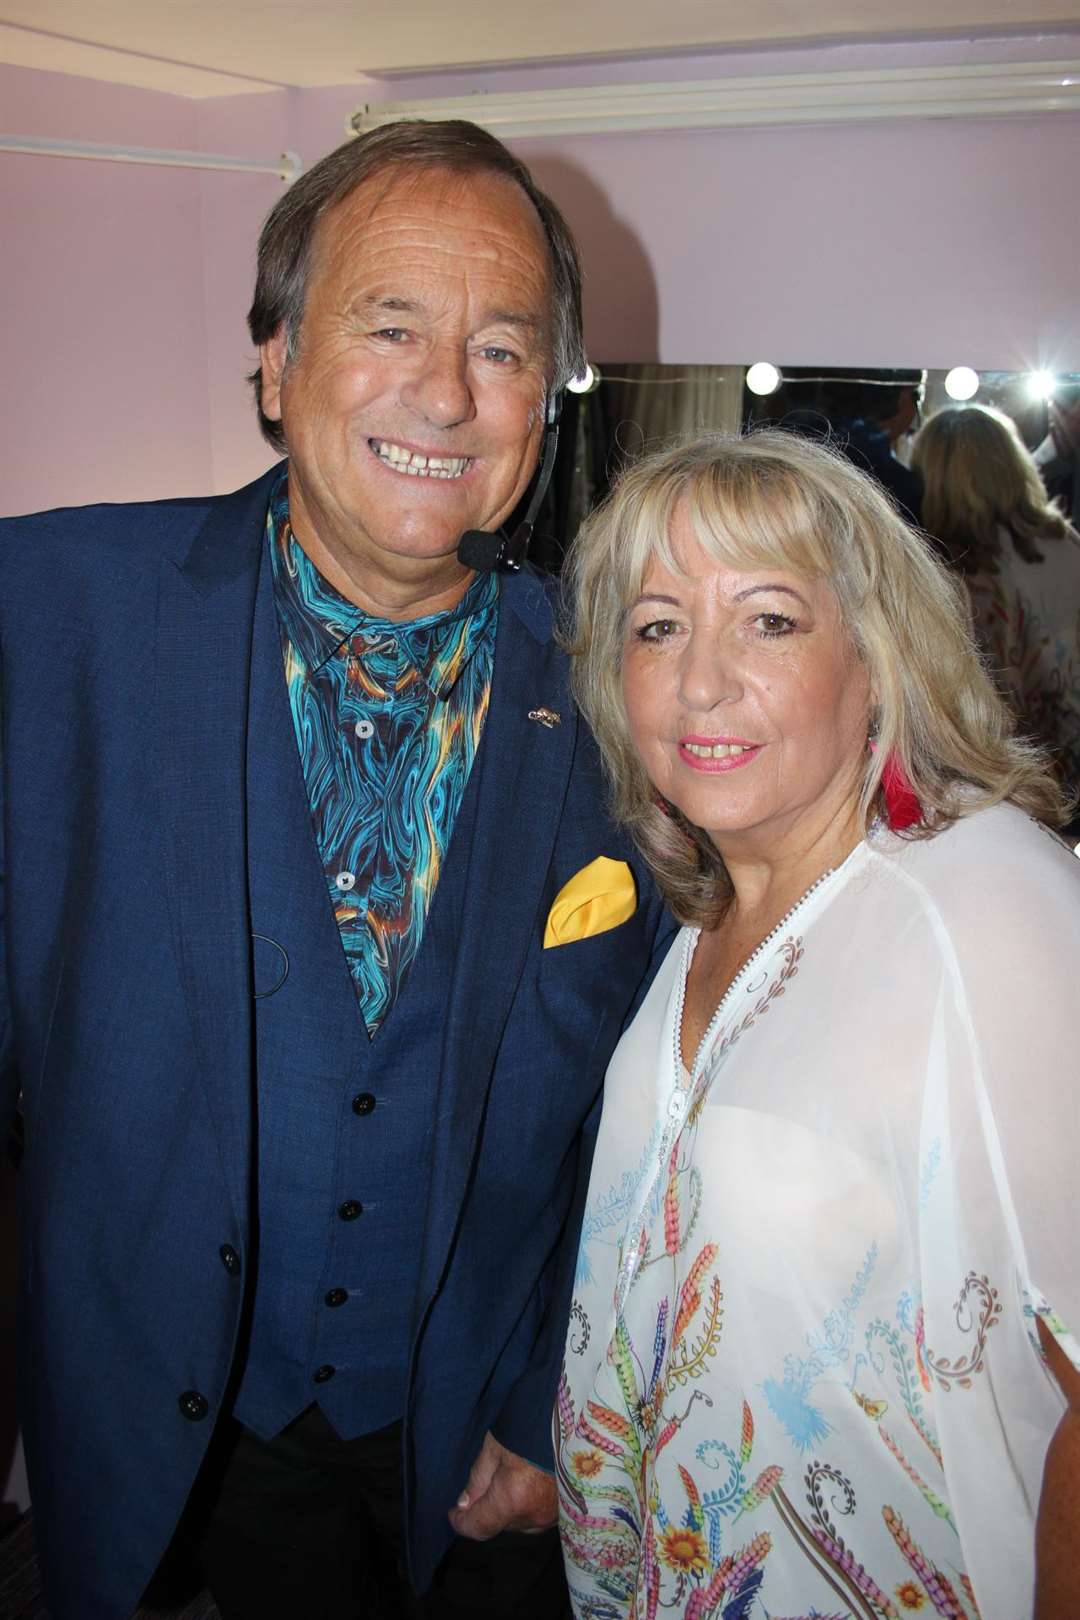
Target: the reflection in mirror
pixel 873 413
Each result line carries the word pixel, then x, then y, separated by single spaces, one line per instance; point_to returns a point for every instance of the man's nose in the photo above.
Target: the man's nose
pixel 708 672
pixel 438 389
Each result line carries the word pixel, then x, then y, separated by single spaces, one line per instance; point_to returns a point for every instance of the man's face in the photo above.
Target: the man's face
pixel 414 407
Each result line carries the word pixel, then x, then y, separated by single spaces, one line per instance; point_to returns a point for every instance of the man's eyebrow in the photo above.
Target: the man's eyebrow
pixel 391 304
pixel 512 317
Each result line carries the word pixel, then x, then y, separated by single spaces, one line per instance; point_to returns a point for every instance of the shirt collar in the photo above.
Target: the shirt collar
pixel 318 620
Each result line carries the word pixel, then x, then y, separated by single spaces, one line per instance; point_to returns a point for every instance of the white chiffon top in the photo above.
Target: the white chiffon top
pixel 803 1376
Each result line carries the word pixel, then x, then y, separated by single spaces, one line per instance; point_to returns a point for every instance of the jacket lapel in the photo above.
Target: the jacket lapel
pixel 205 614
pixel 524 769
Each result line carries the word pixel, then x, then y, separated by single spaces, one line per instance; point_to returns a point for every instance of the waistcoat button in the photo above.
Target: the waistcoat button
pixel 350 1209
pixel 321 1374
pixel 336 1296
pixel 193 1405
pixel 363 1103
pixel 230 1259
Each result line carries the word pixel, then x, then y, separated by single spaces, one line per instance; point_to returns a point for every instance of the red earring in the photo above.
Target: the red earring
pixel 902 808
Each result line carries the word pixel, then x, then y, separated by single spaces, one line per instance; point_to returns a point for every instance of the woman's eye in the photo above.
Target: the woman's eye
pixel 656 630
pixel 774 624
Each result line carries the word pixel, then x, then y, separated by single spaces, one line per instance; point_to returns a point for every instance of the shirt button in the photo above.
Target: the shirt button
pixel 193 1405
pixel 350 1209
pixel 363 1103
pixel 364 729
pixel 230 1259
pixel 322 1374
pixel 345 881
pixel 336 1296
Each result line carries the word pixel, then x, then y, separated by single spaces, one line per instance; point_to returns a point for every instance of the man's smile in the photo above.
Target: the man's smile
pixel 415 464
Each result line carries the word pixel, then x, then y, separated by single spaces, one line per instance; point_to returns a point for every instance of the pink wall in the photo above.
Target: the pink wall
pixel 124 342
pixel 104 329
pixel 882 244
pixel 233 209
pixel 933 242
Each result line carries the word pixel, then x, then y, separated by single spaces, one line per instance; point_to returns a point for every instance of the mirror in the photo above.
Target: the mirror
pixel 632 407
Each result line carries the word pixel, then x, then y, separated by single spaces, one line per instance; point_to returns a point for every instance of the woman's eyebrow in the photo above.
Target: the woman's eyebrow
pixel 654 596
pixel 785 590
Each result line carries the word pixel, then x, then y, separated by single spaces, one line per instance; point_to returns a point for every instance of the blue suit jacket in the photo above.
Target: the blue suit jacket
pixel 125 633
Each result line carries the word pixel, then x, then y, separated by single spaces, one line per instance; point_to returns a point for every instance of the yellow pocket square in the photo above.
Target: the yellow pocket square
pixel 601 896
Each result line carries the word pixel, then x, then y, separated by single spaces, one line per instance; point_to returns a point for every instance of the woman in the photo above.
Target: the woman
pixel 819 1344
pixel 986 503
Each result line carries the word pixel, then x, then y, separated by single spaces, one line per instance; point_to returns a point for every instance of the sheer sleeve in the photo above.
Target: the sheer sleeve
pixel 1011 1073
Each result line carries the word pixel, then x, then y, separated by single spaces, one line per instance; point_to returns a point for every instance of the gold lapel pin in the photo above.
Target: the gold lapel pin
pixel 547 717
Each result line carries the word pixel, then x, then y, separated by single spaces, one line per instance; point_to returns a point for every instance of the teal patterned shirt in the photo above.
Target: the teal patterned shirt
pixel 388 717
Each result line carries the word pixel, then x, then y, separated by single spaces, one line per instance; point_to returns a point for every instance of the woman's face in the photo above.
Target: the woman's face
pixel 747 704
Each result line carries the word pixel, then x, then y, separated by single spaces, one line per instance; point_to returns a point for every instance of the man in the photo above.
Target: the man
pixel 872 417
pixel 291 794
pixel 870 414
pixel 1058 456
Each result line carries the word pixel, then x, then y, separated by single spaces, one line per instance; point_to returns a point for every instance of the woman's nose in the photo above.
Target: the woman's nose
pixel 708 672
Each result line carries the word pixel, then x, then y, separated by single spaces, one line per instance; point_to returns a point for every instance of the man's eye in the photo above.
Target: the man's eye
pixel 774 624
pixel 393 334
pixel 492 351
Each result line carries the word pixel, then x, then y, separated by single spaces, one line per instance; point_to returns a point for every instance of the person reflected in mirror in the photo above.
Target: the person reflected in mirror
pixel 1058 456
pixel 985 502
pixel 822 1354
pixel 870 415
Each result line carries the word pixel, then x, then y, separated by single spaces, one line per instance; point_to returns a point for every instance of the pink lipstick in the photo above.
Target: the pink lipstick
pixel 712 754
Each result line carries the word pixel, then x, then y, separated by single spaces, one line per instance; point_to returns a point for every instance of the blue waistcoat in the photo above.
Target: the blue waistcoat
pixel 343 1123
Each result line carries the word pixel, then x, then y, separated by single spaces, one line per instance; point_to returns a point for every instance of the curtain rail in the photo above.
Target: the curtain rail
pixel 286 167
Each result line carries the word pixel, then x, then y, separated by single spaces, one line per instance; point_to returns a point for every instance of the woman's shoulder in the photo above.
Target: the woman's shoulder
pixel 995 879
pixel 1002 840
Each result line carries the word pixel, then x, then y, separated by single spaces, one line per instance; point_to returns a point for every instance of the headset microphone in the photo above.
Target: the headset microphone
pixel 480 549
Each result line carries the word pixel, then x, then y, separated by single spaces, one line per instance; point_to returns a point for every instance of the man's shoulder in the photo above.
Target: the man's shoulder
pixel 114 542
pixel 129 518
pixel 122 522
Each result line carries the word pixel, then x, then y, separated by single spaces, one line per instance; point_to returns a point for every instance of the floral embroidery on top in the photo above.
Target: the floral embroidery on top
pixel 962 1370
pixel 643 1538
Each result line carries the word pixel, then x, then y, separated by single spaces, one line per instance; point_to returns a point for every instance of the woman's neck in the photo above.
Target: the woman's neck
pixel 767 881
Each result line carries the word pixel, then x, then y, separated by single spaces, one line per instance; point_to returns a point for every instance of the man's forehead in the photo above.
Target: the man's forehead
pixel 405 238
pixel 439 198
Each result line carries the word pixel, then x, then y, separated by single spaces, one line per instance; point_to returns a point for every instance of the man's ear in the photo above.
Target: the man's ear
pixel 272 358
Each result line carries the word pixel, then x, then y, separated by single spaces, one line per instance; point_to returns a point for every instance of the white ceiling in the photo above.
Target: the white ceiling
pixel 221 47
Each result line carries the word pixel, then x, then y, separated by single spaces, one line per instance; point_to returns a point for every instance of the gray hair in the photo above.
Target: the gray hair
pixel 774 499
pixel 285 243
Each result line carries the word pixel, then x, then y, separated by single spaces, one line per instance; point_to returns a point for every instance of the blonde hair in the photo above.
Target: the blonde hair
pixel 979 478
pixel 772 499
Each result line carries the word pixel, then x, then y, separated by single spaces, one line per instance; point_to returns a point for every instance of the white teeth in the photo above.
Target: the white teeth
pixel 416 465
pixel 716 750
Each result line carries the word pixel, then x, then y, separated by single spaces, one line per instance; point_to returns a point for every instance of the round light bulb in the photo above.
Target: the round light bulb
pixel 588 380
pixel 962 383
pixel 763 378
pixel 1040 384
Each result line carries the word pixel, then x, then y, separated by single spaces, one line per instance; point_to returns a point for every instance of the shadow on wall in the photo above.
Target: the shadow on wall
pixel 620 294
